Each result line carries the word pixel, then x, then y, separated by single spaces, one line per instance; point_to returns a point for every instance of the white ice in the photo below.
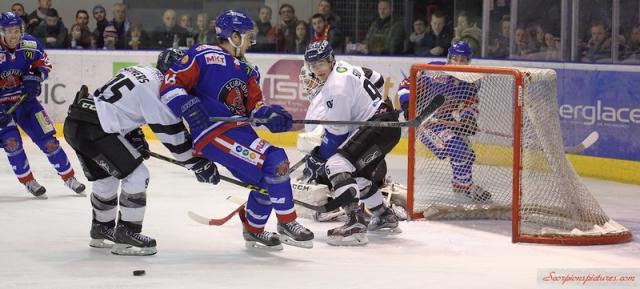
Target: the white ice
pixel 44 243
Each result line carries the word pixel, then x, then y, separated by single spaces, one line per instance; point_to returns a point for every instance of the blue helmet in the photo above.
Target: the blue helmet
pixel 230 21
pixel 8 19
pixel 167 58
pixel 317 51
pixel 459 48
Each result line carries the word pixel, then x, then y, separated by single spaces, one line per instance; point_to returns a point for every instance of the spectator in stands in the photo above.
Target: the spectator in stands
pixel 438 39
pixel 416 38
pixel 632 49
pixel 137 38
pixel 523 46
pixel 186 23
pixel 74 38
pixel 551 47
pixel 286 32
pixel 499 48
pixel 100 15
pixel 169 34
pixel 325 8
pixel 299 44
pixel 121 23
pixel 51 32
pixel 321 30
pixel 266 33
pixel 536 33
pixel 467 30
pixel 82 21
pixel 18 9
pixel 37 16
pixel 385 36
pixel 598 47
pixel 110 35
pixel 204 33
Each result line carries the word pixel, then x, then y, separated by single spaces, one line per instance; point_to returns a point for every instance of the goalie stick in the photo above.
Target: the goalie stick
pixel 432 107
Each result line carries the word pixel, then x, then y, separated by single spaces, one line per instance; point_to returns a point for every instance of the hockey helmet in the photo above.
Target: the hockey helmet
pixel 167 58
pixel 8 19
pixel 234 21
pixel 317 51
pixel 310 83
pixel 459 53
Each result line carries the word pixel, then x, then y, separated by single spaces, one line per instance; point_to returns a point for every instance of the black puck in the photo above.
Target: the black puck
pixel 138 272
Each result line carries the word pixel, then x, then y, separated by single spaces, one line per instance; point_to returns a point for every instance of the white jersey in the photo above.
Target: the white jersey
pixel 347 95
pixel 132 99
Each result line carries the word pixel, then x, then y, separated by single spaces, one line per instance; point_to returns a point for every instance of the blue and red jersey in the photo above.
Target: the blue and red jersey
pixel 27 57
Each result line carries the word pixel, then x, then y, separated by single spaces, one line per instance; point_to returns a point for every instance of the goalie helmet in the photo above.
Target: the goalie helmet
pixel 317 51
pixel 459 53
pixel 167 58
pixel 310 83
pixel 234 21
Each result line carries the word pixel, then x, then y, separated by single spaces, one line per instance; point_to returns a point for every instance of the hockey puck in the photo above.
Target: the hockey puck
pixel 138 272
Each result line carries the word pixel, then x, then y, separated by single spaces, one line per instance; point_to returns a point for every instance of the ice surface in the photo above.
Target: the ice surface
pixel 44 243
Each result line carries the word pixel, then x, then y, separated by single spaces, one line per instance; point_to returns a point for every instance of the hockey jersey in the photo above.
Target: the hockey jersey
pixel 131 99
pixel 224 84
pixel 27 57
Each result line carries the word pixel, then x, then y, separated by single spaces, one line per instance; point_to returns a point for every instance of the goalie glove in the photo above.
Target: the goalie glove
pixel 314 166
pixel 206 171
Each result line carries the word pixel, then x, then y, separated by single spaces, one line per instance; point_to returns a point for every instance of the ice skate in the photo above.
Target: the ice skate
pixel 264 240
pixel 353 232
pixel 36 189
pixel 102 235
pixel 76 186
pixel 130 243
pixel 473 192
pixel 294 234
pixel 384 222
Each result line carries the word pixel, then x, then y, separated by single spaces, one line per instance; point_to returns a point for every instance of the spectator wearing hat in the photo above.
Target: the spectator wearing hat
pixel 37 16
pixel 51 32
pixel 100 15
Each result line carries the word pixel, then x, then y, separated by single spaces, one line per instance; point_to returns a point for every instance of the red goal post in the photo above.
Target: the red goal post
pixel 516 154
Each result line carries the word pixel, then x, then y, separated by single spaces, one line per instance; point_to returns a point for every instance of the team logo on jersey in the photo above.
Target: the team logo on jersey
pixel 215 58
pixel 245 154
pixel 28 44
pixel 260 145
pixel 184 60
pixel 341 69
pixel 233 94
pixel 330 103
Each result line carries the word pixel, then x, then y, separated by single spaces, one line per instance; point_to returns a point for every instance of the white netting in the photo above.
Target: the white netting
pixel 464 156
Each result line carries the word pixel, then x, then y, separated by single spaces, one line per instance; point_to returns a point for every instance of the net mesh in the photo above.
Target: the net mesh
pixel 463 156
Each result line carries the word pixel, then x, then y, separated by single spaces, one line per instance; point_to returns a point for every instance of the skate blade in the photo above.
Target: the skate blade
pixel 81 195
pixel 331 216
pixel 292 242
pixel 128 250
pixel 259 246
pixel 386 231
pixel 358 239
pixel 101 243
pixel 42 197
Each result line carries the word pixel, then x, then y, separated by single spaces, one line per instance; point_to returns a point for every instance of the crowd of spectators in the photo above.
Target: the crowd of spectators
pixel 430 34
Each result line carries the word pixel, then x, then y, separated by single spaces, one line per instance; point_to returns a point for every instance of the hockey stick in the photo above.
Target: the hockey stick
pixel 585 144
pixel 429 110
pixel 15 105
pixel 221 221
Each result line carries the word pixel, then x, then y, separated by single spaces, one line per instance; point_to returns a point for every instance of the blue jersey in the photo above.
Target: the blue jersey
pixel 27 57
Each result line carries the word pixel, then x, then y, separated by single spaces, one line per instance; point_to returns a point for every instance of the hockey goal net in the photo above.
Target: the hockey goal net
pixel 511 166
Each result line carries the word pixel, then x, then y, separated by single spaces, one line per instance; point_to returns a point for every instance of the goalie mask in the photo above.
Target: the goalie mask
pixel 311 85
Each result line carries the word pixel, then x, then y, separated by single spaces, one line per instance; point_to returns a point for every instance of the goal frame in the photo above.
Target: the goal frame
pixel 519 86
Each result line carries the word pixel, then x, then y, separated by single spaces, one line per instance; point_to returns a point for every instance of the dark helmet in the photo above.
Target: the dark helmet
pixel 460 48
pixel 317 51
pixel 167 58
pixel 230 21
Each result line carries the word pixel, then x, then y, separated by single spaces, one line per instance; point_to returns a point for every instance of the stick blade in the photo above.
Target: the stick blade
pixel 585 144
pixel 198 218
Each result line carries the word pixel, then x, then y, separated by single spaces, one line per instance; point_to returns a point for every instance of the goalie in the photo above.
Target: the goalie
pixel 350 157
pixel 446 135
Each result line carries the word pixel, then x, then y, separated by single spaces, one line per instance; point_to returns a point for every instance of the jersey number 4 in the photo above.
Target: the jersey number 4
pixel 114 85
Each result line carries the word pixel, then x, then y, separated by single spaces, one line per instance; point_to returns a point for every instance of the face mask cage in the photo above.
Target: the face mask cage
pixel 311 85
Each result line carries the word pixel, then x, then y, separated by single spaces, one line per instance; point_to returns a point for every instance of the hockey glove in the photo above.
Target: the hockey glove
pixel 314 166
pixel 279 119
pixel 206 171
pixel 5 117
pixel 137 140
pixel 405 110
pixel 31 85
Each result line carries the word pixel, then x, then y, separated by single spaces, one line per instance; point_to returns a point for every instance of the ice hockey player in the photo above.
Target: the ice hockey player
pixel 312 137
pixel 349 154
pixel 215 81
pixel 456 120
pixel 23 67
pixel 104 129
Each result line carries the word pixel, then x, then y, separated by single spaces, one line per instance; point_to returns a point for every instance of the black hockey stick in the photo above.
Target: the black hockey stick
pixel 429 110
pixel 15 105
